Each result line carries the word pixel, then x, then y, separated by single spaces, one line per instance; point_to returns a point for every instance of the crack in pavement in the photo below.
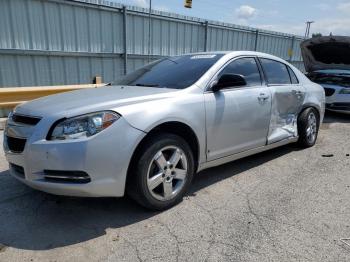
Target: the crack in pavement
pixel 138 254
pixel 173 235
pixel 211 229
pixel 273 241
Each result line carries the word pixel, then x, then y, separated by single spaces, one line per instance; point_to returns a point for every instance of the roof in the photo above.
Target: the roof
pixel 238 53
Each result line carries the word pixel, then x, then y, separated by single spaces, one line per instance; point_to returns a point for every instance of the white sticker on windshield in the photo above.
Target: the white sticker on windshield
pixel 203 56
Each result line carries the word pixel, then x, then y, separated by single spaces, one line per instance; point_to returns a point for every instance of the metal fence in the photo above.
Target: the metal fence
pixel 57 42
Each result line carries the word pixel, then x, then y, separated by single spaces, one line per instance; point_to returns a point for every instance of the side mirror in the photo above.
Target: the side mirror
pixel 229 80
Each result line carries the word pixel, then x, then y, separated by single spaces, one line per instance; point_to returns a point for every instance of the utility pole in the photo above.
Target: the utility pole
pixel 308 26
pixel 149 30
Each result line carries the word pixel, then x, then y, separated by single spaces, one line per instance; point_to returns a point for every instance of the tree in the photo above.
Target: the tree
pixel 316 35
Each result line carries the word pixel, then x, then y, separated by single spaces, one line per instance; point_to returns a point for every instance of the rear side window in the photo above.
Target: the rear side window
pixel 293 77
pixel 276 72
pixel 246 67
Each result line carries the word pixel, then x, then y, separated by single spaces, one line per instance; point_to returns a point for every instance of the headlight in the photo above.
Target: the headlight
pixel 8 118
pixel 345 91
pixel 83 126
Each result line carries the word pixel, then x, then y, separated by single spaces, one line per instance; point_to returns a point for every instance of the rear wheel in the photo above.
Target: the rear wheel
pixel 308 126
pixel 162 172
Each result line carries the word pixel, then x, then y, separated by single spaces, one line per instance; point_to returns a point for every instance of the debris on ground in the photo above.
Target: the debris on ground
pixel 116 238
pixel 2 248
pixel 327 155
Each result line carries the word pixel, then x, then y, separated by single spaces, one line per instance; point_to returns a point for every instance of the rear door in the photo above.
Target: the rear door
pixel 237 118
pixel 287 98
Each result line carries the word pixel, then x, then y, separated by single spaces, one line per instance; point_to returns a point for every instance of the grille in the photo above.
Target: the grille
pixel 329 91
pixel 18 169
pixel 16 145
pixel 77 177
pixel 27 120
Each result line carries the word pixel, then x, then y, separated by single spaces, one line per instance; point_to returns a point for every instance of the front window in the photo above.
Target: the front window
pixel 176 72
pixel 246 67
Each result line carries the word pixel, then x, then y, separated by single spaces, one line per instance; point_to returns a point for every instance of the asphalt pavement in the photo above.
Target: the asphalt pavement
pixel 286 204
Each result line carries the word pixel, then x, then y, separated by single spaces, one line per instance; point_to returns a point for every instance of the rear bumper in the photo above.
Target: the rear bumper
pixel 105 157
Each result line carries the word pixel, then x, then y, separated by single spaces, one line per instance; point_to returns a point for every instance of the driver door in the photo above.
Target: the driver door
pixel 237 118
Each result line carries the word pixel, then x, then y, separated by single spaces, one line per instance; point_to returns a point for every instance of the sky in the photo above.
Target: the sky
pixel 332 16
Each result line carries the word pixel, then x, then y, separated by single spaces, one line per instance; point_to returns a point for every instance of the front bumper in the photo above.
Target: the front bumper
pixel 339 107
pixel 335 101
pixel 104 157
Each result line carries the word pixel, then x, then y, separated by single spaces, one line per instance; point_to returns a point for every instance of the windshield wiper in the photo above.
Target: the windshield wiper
pixel 147 85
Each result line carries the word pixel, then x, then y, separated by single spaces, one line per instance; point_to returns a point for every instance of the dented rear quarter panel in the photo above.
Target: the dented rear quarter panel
pixel 314 96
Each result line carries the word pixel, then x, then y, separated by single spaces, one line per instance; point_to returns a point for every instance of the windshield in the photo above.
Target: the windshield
pixel 176 72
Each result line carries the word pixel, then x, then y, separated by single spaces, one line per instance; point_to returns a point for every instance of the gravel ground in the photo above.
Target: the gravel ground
pixel 281 205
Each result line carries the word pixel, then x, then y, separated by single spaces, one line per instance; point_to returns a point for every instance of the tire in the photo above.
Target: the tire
pixel 308 126
pixel 156 181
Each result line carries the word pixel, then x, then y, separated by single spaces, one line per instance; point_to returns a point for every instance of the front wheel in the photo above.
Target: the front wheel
pixel 163 172
pixel 308 126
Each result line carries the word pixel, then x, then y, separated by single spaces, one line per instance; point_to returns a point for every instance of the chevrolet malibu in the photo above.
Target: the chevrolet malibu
pixel 148 134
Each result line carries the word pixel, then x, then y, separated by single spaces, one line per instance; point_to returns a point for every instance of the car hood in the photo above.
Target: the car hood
pixel 91 100
pixel 323 53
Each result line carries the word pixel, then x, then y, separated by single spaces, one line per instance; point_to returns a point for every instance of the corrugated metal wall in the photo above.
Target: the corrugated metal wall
pixel 53 42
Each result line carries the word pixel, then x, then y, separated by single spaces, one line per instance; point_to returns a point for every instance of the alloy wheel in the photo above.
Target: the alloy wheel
pixel 167 173
pixel 311 129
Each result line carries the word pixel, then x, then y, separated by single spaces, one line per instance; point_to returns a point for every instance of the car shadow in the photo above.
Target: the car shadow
pixel 32 220
pixel 216 174
pixel 334 117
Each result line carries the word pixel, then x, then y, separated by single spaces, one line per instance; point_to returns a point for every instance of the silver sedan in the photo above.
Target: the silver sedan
pixel 149 133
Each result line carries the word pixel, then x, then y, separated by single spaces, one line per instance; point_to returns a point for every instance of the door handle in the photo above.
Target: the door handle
pixel 297 92
pixel 263 96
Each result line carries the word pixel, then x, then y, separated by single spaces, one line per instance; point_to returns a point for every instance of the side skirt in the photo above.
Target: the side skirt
pixel 250 152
